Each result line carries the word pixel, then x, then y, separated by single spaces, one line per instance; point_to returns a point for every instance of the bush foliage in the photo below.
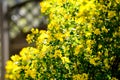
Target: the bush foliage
pixel 82 42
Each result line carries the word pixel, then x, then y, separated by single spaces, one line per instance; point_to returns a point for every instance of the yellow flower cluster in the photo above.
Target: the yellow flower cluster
pixel 83 76
pixel 81 43
pixel 21 64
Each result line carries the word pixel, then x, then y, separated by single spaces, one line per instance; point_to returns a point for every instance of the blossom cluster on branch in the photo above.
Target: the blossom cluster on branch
pixel 82 42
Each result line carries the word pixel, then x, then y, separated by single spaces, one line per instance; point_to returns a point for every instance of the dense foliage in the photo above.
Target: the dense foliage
pixel 82 42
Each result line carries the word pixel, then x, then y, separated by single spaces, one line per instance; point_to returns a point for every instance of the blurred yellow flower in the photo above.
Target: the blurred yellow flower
pixel 15 57
pixel 94 61
pixel 34 31
pixel 114 78
pixel 77 49
pixel 111 14
pixel 31 73
pixel 118 1
pixel 59 36
pixel 99 46
pixel 97 31
pixel 29 38
pixel 104 29
pixel 57 53
pixel 83 76
pixel 106 63
pixel 65 60
pixel 44 6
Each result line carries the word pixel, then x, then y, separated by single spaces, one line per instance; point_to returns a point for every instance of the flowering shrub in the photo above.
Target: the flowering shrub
pixel 82 42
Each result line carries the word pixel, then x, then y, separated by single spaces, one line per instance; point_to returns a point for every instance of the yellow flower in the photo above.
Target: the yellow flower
pixel 65 60
pixel 66 34
pixel 42 37
pixel 12 67
pixel 118 1
pixel 99 53
pixel 76 77
pixel 30 72
pixel 88 49
pixel 106 53
pixel 80 20
pixel 29 38
pixel 15 57
pixel 116 33
pixel 9 65
pixel 26 53
pixel 52 24
pixel 44 6
pixel 77 49
pixel 57 53
pixel 99 46
pixel 89 42
pixel 59 36
pixel 93 61
pixel 97 31
pixel 34 31
pixel 89 26
pixel 83 76
pixel 106 63
pixel 114 78
pixel 67 16
pixel 111 14
pixel 11 76
pixel 44 49
pixel 87 34
pixel 104 29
